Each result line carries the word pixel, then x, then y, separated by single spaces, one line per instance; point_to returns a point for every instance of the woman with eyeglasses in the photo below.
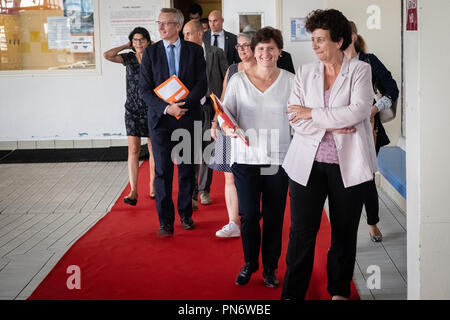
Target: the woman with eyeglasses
pixel 135 108
pixel 220 159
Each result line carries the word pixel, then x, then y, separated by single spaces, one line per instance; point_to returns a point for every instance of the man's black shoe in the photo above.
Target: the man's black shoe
pixel 245 274
pixel 187 223
pixel 165 231
pixel 270 279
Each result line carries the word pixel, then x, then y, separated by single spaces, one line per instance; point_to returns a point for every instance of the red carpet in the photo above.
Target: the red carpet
pixel 121 257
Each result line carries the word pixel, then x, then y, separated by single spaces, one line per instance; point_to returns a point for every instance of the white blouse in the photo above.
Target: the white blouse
pixel 262 116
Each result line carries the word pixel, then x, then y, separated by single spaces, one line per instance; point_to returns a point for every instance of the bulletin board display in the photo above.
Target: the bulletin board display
pixel 47 35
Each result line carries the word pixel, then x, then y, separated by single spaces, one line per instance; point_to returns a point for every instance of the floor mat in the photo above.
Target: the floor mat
pixel 121 257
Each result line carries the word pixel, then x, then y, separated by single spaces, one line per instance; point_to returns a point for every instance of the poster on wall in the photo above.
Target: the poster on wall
pixel 411 15
pixel 58 32
pixel 123 18
pixel 82 44
pixel 250 21
pixel 80 14
pixel 298 30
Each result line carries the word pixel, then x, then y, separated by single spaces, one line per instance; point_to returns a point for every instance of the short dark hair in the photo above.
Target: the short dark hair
pixel 266 34
pixel 332 20
pixel 139 30
pixel 205 20
pixel 196 8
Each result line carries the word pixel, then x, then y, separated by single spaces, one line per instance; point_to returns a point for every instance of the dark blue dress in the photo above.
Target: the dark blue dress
pixel 135 108
pixel 221 155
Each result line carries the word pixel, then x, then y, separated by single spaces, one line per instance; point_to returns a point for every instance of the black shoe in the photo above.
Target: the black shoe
pixel 131 202
pixel 270 279
pixel 245 274
pixel 165 231
pixel 187 223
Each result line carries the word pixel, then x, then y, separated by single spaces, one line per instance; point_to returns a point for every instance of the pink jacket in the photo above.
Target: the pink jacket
pixel 350 103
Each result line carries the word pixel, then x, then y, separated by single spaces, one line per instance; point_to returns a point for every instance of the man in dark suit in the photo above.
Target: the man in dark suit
pixel 285 62
pixel 185 59
pixel 216 68
pixel 218 37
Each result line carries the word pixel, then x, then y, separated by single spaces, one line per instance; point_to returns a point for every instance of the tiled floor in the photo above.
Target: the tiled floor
pixel 389 255
pixel 45 208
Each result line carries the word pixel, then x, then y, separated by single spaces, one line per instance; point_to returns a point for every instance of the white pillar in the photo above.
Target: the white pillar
pixel 427 110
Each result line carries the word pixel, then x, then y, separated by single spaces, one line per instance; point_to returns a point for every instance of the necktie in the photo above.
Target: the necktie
pixel 215 44
pixel 172 69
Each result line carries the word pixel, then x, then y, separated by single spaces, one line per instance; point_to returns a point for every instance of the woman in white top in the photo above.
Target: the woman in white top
pixel 256 98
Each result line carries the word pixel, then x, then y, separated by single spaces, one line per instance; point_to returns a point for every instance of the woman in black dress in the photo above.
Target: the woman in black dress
pixel 135 108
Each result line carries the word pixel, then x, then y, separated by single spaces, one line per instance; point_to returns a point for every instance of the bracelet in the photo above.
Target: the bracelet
pixel 214 121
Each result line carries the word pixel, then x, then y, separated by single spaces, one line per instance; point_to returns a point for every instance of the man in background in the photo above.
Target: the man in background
pixel 205 24
pixel 220 38
pixel 195 12
pixel 216 68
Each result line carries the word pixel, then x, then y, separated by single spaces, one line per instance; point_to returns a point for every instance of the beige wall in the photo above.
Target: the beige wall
pixel 301 52
pixel 385 43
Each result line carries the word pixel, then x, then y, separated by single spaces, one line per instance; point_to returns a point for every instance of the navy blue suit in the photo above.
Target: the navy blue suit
pixel 192 72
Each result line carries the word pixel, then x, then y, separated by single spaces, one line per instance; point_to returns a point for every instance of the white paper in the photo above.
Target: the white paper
pixel 79 44
pixel 169 89
pixel 123 18
pixel 58 32
pixel 178 96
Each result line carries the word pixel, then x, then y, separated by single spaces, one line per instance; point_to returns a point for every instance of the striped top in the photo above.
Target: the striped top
pixel 327 151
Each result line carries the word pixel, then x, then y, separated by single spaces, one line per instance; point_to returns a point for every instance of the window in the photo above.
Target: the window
pixel 249 22
pixel 47 34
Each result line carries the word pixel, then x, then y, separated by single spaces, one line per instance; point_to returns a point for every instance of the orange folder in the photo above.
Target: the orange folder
pixel 172 90
pixel 219 110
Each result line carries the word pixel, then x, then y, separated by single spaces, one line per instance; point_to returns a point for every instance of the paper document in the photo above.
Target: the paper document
pixel 172 90
pixel 228 119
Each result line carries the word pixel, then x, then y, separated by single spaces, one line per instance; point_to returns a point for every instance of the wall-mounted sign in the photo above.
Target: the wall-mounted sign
pixel 298 30
pixel 82 44
pixel 58 32
pixel 411 15
pixel 124 16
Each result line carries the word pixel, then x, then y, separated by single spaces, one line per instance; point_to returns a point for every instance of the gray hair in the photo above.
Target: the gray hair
pixel 178 15
pixel 249 35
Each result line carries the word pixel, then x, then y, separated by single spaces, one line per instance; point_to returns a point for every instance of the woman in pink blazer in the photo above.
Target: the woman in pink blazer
pixel 332 155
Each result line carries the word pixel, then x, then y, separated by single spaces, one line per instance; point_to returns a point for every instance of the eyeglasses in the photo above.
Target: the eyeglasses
pixel 242 46
pixel 318 40
pixel 165 24
pixel 140 40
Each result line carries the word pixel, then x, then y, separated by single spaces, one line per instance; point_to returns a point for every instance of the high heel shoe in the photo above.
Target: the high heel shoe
pixel 131 202
pixel 375 234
